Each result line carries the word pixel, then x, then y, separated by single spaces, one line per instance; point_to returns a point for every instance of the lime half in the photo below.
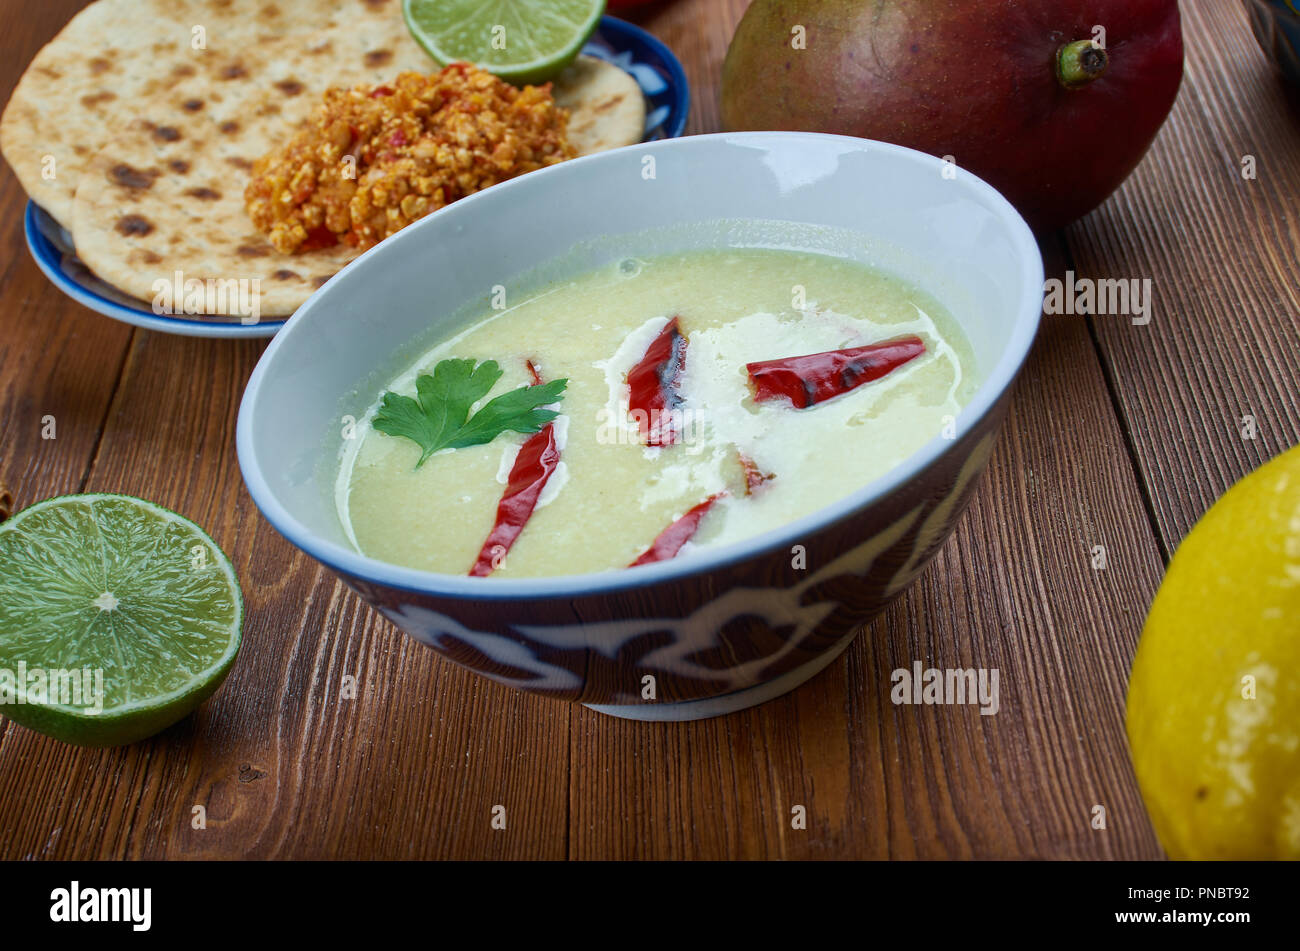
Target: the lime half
pixel 117 618
pixel 522 41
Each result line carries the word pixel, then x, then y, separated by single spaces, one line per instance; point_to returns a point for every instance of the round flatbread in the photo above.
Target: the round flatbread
pixel 164 195
pixel 152 216
pixel 137 125
pixel 118 58
pixel 606 106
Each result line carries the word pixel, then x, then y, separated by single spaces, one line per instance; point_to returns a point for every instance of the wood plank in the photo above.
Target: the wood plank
pixel 1222 252
pixel 285 766
pixel 59 363
pixel 1013 589
pixel 57 359
pixel 698 32
pixel 411 767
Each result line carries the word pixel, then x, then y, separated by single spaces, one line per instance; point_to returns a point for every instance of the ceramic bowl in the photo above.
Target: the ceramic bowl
pixel 719 629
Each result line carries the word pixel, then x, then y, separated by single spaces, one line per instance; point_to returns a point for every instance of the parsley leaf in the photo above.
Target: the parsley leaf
pixel 438 418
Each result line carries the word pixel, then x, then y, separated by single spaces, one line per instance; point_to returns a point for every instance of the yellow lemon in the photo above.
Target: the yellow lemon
pixel 1214 696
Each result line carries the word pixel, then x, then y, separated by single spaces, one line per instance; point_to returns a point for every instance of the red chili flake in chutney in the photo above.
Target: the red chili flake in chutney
pixel 319 237
pixel 817 377
pixel 653 385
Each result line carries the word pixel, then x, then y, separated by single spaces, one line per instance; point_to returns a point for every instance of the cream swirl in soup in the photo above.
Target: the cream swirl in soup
pixel 727 324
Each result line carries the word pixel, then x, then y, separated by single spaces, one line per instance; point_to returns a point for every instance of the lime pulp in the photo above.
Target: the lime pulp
pixel 521 41
pixel 117 618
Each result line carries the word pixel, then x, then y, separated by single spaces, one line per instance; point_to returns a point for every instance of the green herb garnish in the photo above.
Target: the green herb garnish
pixel 438 418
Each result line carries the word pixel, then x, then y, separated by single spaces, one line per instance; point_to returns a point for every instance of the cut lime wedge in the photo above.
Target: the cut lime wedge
pixel 522 41
pixel 117 618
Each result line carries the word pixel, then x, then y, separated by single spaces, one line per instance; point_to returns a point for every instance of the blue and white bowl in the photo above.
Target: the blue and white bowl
pixel 719 629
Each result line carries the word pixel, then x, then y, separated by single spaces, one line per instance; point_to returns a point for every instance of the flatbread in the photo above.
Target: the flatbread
pixel 116 58
pixel 150 209
pixel 606 106
pixel 166 194
pixel 151 139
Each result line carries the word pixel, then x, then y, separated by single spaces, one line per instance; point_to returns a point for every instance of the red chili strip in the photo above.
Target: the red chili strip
pixel 537 460
pixel 670 541
pixel 653 385
pixel 754 476
pixel 817 377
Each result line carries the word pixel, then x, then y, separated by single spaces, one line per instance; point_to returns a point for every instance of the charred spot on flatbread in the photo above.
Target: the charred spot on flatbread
pixel 127 188
pixel 134 226
pixel 606 106
pixel 144 256
pixel 97 99
pixel 128 176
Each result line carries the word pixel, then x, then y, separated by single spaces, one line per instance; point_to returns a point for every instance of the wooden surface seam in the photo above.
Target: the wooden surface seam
pixel 1119 437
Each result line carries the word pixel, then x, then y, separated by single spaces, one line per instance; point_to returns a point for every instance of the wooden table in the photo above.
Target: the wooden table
pixel 1119 436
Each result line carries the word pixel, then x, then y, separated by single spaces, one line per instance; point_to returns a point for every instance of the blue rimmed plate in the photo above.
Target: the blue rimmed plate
pixel 653 66
pixel 1276 25
pixel 649 61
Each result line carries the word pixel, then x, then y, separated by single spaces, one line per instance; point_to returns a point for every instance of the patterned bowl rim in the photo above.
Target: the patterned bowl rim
pixel 353 564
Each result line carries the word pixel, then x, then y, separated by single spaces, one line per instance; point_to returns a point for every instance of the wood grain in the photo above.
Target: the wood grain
pixel 59 368
pixel 1223 254
pixel 1013 589
pixel 56 359
pixel 279 750
pixel 1118 436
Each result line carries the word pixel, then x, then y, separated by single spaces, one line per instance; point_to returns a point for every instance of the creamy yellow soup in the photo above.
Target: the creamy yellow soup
pixel 612 495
